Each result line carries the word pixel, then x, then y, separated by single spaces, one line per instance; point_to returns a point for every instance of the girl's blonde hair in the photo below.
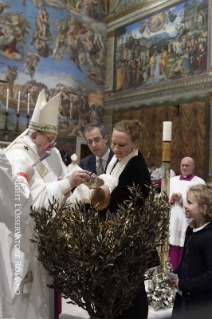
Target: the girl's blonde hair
pixel 131 127
pixel 203 195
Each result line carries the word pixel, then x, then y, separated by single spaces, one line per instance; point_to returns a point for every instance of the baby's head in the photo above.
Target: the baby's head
pixel 202 195
pixel 100 197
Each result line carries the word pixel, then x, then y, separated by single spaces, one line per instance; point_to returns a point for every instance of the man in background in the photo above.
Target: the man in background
pixel 96 139
pixel 179 186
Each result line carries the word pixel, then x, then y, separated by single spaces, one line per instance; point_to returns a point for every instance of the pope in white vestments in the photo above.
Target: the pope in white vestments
pixel 179 186
pixel 35 300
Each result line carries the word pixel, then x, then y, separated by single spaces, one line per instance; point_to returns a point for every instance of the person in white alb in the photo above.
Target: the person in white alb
pixel 73 166
pixel 179 186
pixel 14 193
pixel 35 300
pixel 15 200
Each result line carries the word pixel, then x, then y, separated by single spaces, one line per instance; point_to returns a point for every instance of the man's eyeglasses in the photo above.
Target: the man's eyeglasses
pixel 52 142
pixel 97 140
pixel 182 165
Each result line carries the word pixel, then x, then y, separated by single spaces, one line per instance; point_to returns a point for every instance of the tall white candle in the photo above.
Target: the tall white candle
pixel 167 131
pixel 28 103
pixel 18 106
pixel 7 100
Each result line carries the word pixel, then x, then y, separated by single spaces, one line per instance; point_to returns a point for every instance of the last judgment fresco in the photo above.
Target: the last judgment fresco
pixel 164 47
pixel 56 45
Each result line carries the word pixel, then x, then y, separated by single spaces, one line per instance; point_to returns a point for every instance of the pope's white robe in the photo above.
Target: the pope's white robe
pixel 15 197
pixel 35 300
pixel 178 221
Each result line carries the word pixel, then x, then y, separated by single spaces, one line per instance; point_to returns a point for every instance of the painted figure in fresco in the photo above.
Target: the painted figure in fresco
pixel 134 66
pixel 21 31
pixel 16 26
pixel 87 41
pixel 3 6
pixel 157 23
pixel 74 103
pixel 95 117
pixel 65 91
pixel 33 87
pixel 118 77
pixel 11 76
pixel 75 4
pixel 31 62
pixel 176 68
pixel 186 63
pixel 42 22
pixel 42 34
pixel 81 121
pixel 152 65
pixel 89 7
pixel 200 20
pixel 12 18
pixel 8 42
pixel 42 47
pixel 60 44
pixel 193 56
pixel 100 62
pixel 73 36
pixel 201 59
pixel 164 59
pixel 129 74
pixel 99 41
pixel 139 75
pixel 94 76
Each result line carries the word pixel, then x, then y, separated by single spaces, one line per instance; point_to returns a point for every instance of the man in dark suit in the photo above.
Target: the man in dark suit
pixel 96 138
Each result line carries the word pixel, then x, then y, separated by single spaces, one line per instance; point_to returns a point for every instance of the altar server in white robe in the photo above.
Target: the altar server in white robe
pixel 15 194
pixel 73 166
pixel 15 200
pixel 179 186
pixel 35 300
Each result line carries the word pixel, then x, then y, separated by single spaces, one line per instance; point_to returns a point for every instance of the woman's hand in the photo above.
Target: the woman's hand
pixel 169 281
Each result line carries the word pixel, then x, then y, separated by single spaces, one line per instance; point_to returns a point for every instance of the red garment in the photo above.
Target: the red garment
pixel 175 253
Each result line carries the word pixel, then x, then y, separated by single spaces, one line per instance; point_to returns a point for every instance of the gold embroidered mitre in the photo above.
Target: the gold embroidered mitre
pixel 46 114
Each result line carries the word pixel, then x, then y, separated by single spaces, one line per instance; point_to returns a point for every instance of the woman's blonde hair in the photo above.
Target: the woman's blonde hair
pixel 131 127
pixel 203 195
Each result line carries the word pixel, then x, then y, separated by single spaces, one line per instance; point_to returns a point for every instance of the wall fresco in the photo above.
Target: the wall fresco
pixel 163 47
pixel 58 45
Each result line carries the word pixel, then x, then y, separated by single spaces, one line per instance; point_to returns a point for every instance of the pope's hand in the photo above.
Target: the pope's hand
pixel 78 177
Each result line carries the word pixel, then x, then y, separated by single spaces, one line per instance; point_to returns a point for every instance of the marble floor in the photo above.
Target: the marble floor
pixel 70 311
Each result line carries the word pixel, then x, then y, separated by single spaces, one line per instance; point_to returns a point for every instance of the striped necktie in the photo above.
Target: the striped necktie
pixel 99 168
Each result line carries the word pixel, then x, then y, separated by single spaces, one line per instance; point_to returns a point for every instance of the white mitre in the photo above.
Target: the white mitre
pixel 74 157
pixel 44 118
pixel 46 114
